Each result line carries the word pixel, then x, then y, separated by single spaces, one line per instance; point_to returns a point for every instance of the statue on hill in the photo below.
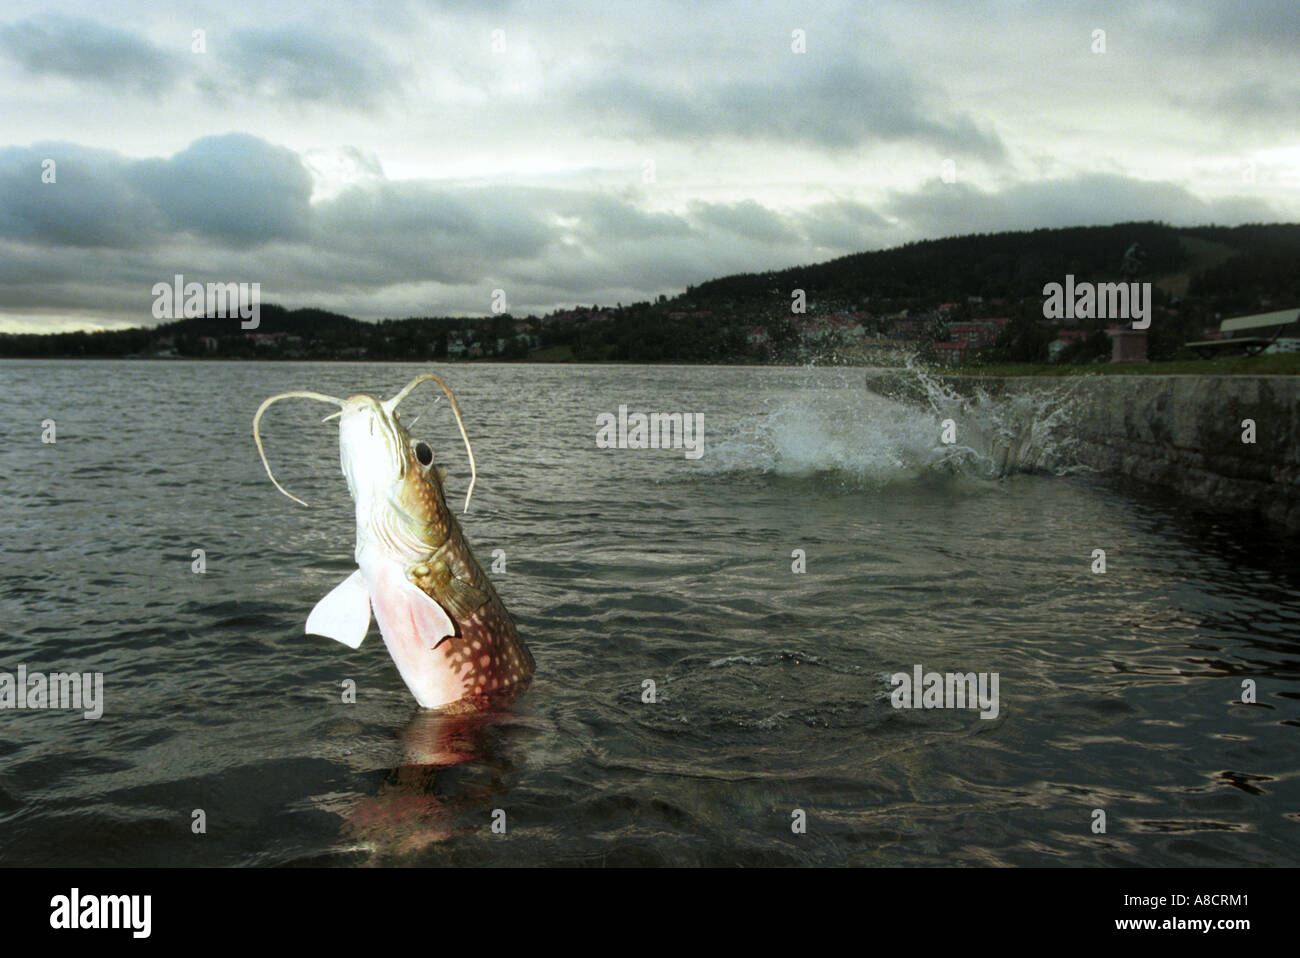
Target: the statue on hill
pixel 1134 260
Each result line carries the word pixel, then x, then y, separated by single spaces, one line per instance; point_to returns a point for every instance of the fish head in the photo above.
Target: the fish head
pixel 391 475
pixel 380 460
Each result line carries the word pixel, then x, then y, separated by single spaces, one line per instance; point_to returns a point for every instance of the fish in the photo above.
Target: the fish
pixel 454 643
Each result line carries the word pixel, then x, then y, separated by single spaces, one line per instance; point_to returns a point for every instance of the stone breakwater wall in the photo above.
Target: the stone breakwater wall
pixel 1185 433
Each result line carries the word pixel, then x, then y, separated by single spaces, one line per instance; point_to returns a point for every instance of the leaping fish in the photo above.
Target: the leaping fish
pixel 446 628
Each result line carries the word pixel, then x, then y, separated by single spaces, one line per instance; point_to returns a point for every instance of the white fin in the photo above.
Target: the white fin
pixel 344 614
pixel 413 625
pixel 403 609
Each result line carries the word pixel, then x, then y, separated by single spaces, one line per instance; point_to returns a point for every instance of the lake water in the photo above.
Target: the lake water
pixel 1118 691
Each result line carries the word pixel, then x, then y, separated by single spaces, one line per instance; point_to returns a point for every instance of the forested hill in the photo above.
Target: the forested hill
pixel 1199 273
pixel 295 322
pixel 1223 260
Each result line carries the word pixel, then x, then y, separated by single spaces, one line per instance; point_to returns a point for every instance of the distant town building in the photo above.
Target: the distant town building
pixel 1065 338
pixel 1128 345
pixel 907 328
pixel 979 333
pixel 951 353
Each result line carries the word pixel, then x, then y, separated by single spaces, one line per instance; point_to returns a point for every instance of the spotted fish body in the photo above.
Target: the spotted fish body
pixel 448 632
pixel 484 658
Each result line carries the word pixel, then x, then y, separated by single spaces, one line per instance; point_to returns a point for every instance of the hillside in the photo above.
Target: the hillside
pixel 1017 264
pixel 884 295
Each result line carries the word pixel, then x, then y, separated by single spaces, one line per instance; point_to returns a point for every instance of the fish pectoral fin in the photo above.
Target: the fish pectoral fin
pixel 344 614
pixel 403 608
pixel 462 598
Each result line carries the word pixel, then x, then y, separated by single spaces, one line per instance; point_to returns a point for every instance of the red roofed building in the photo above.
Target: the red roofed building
pixel 978 333
pixel 952 353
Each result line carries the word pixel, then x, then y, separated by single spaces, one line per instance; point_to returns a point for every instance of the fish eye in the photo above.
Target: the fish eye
pixel 424 453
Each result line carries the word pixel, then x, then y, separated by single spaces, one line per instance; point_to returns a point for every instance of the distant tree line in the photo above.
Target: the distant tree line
pixel 975 276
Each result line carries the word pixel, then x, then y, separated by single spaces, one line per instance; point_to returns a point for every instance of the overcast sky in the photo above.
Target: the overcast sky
pixel 402 159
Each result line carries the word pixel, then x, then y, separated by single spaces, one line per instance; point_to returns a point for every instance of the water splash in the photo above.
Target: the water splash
pixel 872 438
pixel 1014 432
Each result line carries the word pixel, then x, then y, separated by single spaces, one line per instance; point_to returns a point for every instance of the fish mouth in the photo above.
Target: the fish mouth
pixel 373 446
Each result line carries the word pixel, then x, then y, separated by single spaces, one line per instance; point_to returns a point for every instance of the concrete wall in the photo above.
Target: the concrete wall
pixel 1185 433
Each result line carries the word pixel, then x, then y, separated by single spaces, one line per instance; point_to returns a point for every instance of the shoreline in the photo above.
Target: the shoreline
pixel 1229 442
pixel 1269 366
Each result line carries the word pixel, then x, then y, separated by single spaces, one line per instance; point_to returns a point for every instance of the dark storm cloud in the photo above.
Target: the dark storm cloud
pixel 746 218
pixel 820 102
pixel 293 64
pixel 845 226
pixel 237 208
pixel 231 190
pixel 946 209
pixel 87 51
pixel 1259 26
pixel 93 201
pixel 1230 63
pixel 1265 107
pixel 234 189
pixel 302 65
pixel 412 231
pixel 613 218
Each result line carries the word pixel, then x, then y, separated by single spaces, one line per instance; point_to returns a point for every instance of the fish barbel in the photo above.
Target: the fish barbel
pixel 449 634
